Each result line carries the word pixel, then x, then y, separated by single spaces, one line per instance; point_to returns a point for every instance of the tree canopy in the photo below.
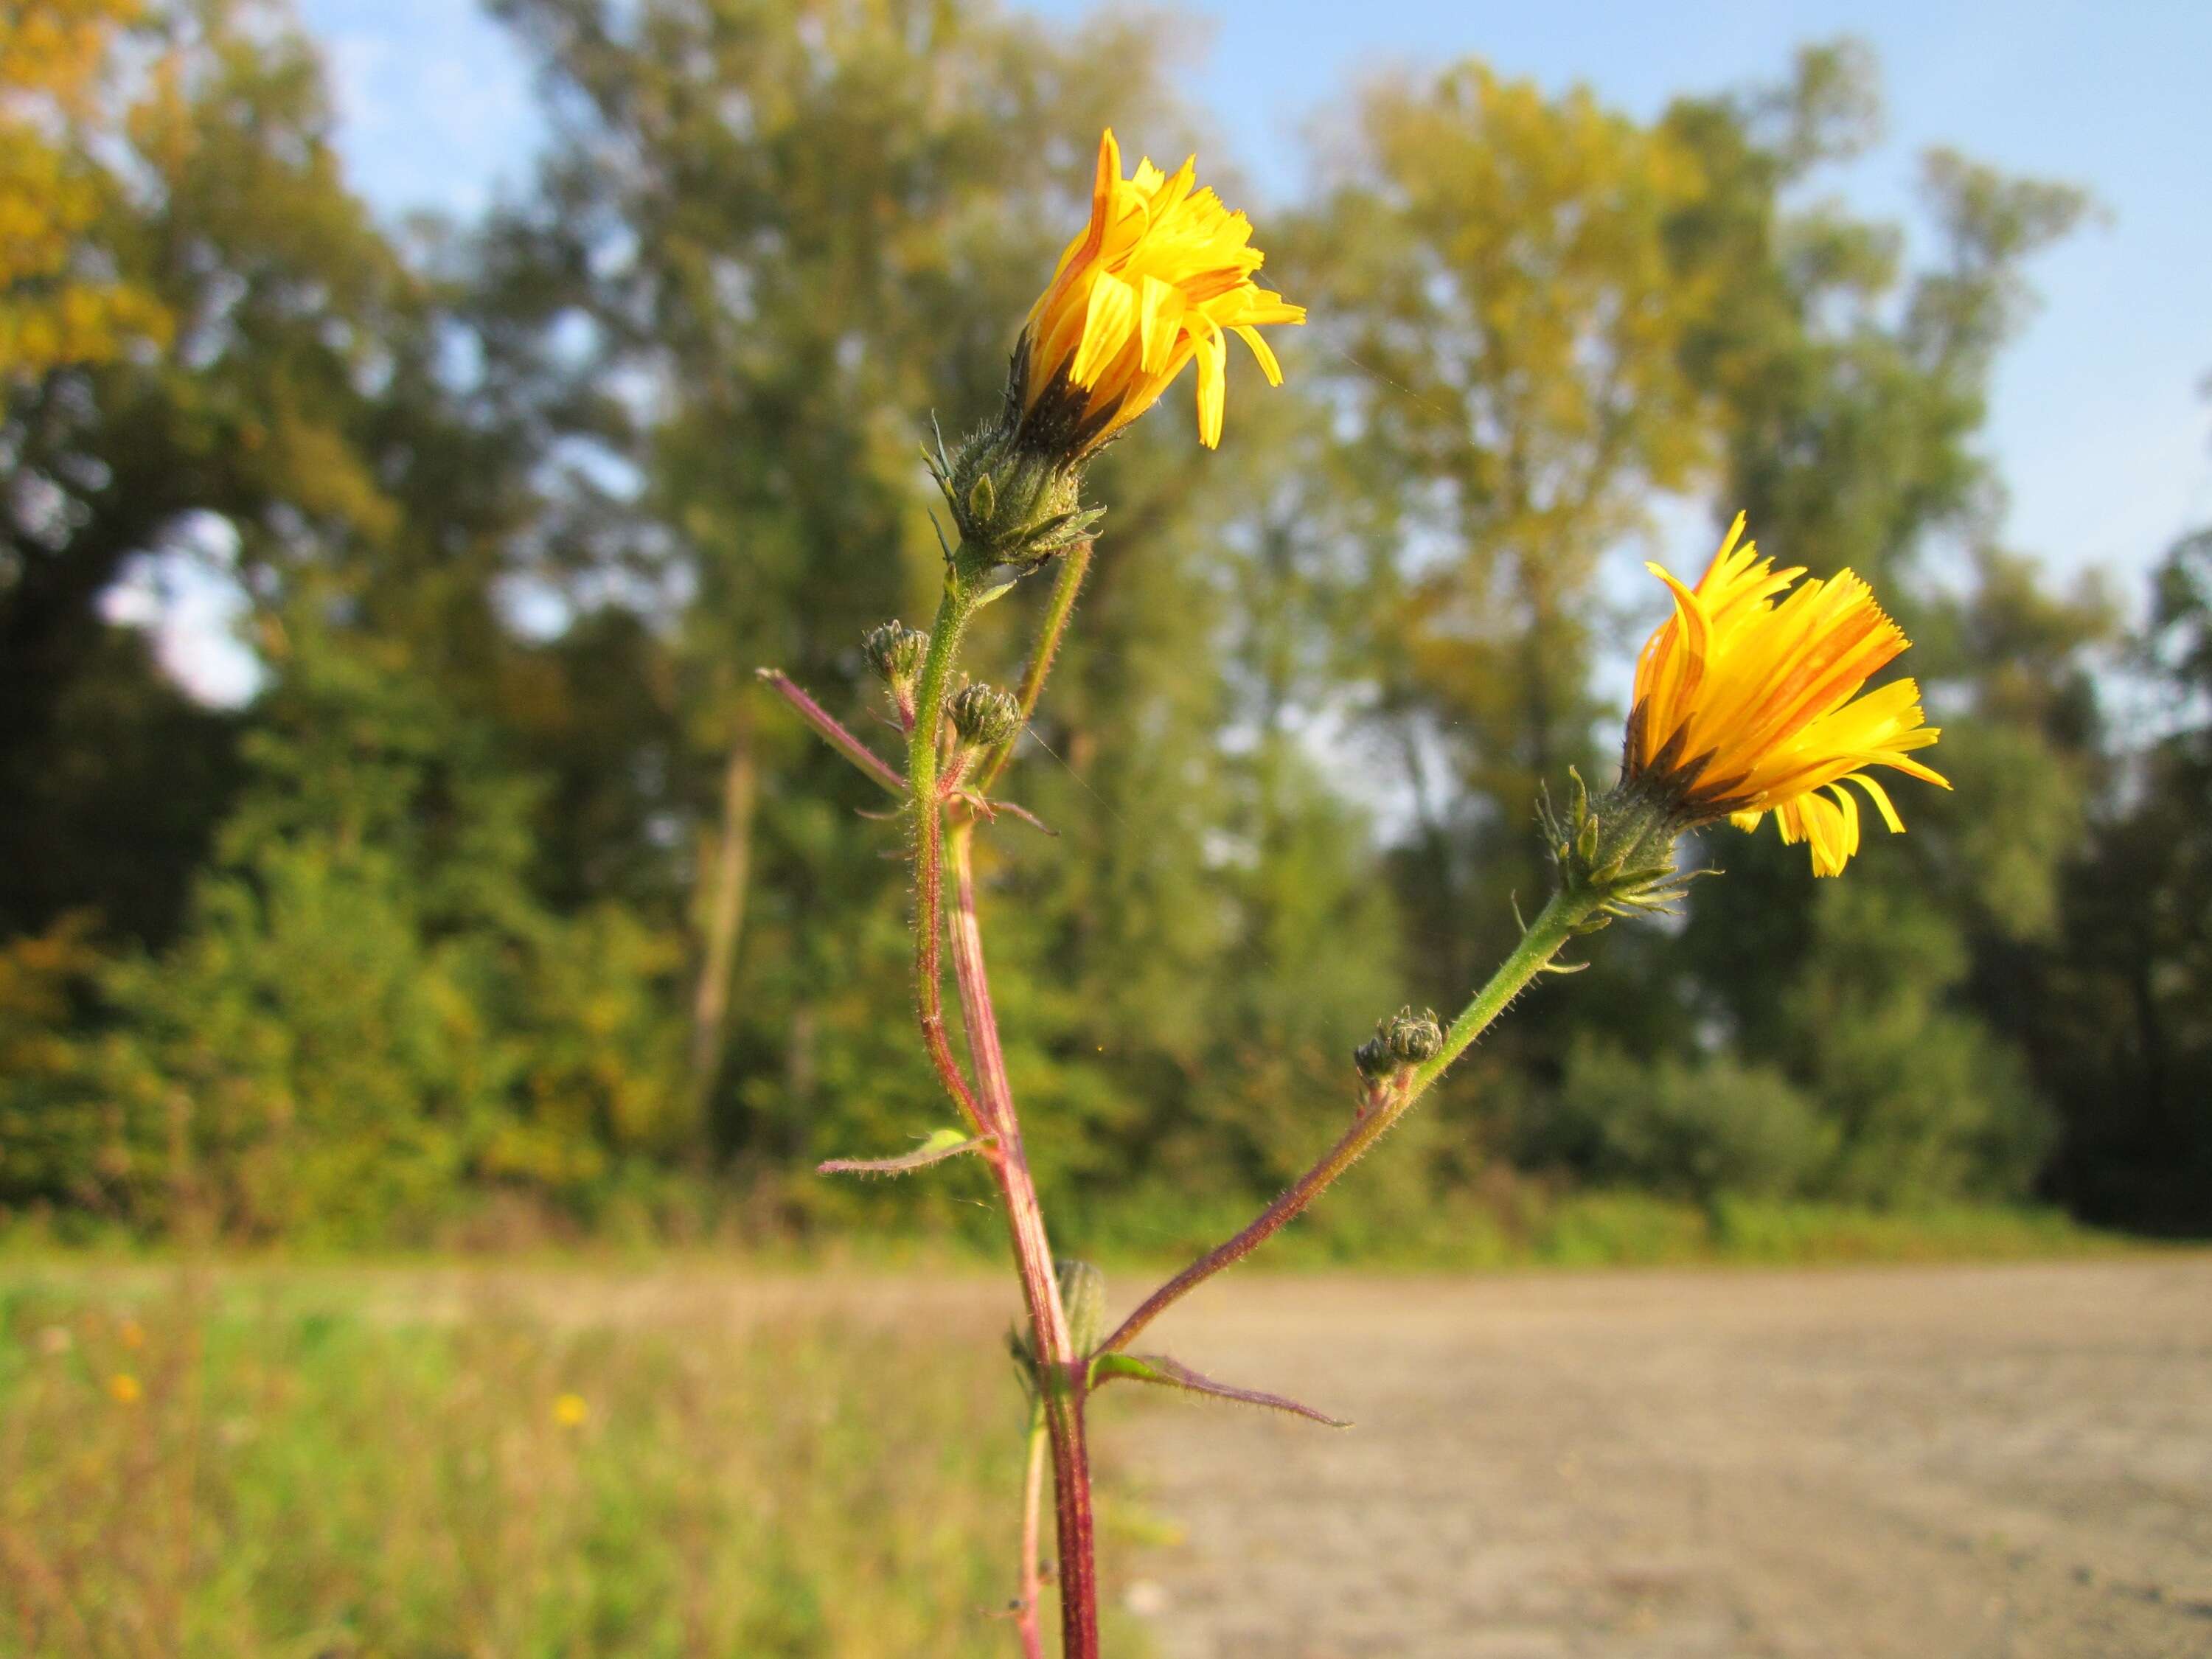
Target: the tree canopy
pixel 507 885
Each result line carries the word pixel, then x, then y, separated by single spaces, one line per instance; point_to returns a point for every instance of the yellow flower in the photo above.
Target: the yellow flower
pixel 1746 703
pixel 1161 276
pixel 570 1410
pixel 124 1390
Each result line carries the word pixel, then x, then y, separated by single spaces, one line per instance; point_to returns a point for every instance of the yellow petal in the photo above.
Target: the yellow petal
pixel 1160 316
pixel 1106 325
pixel 1213 386
pixel 1263 351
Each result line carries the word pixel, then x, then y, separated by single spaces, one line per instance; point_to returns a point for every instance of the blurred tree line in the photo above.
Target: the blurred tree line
pixel 508 882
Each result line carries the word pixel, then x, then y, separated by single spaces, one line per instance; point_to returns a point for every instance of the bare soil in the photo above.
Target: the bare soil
pixel 1987 1463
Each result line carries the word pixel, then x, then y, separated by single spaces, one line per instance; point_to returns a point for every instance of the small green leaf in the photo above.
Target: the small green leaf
pixel 940 1146
pixel 1083 1297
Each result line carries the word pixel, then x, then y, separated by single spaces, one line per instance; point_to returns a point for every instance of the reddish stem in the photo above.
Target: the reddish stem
pixel 1061 1370
pixel 1383 1105
pixel 928 963
pixel 828 725
pixel 1271 1221
pixel 1079 1539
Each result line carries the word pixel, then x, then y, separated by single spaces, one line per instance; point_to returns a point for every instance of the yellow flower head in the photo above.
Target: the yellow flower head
pixel 1746 703
pixel 124 1390
pixel 1161 275
pixel 570 1411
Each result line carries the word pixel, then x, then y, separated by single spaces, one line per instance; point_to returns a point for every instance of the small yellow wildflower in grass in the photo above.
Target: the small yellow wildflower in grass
pixel 570 1411
pixel 1160 277
pixel 124 1390
pixel 1748 702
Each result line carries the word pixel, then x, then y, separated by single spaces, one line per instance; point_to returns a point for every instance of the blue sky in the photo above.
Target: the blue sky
pixel 2097 422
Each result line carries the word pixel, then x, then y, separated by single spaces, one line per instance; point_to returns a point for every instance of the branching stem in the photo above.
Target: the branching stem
pixel 1554 927
pixel 1059 1370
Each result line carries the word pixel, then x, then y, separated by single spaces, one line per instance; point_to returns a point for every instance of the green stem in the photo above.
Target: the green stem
pixel 1552 929
pixel 1074 564
pixel 1028 1623
pixel 1554 926
pixel 1060 1371
pixel 953 611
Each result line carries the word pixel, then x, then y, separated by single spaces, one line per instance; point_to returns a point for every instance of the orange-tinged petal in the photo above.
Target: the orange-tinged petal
pixel 1160 273
pixel 1753 689
pixel 1106 326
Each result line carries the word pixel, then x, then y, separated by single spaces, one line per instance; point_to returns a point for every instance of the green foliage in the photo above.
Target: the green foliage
pixel 292 1467
pixel 369 1007
pixel 1701 1132
pixel 458 912
pixel 59 1140
pixel 1931 1105
pixel 2124 1032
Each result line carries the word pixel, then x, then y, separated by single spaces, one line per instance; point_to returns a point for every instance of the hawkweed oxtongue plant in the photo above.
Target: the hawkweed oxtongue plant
pixel 1747 701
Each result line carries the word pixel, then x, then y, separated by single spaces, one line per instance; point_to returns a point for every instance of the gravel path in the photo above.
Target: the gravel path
pixel 2009 1462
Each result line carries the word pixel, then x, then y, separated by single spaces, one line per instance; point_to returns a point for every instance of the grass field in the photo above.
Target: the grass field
pixel 668 1454
pixel 254 1463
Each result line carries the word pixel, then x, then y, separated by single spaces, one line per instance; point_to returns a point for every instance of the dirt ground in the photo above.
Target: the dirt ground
pixel 1990 1462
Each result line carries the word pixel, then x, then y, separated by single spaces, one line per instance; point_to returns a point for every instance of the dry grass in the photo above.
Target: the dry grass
pixel 265 1464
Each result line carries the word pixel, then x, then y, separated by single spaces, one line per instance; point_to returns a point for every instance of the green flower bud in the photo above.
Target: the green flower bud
pixel 895 651
pixel 983 715
pixel 1405 1039
pixel 1414 1038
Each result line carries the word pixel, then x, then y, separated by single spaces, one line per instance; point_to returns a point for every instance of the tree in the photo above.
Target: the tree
pixel 62 300
pixel 1851 394
pixel 291 419
pixel 2120 1020
pixel 1510 323
pixel 784 235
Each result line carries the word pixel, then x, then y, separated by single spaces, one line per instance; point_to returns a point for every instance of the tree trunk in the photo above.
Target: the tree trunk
pixel 722 914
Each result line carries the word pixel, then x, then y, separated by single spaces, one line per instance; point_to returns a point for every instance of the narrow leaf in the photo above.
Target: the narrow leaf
pixel 940 1145
pixel 1158 1370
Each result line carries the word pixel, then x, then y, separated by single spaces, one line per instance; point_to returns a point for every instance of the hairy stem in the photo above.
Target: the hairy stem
pixel 1027 1623
pixel 953 611
pixel 1074 565
pixel 1554 927
pixel 828 725
pixel 1060 1368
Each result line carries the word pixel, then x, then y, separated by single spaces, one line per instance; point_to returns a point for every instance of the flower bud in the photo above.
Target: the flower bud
pixel 1405 1039
pixel 1414 1038
pixel 895 651
pixel 983 715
